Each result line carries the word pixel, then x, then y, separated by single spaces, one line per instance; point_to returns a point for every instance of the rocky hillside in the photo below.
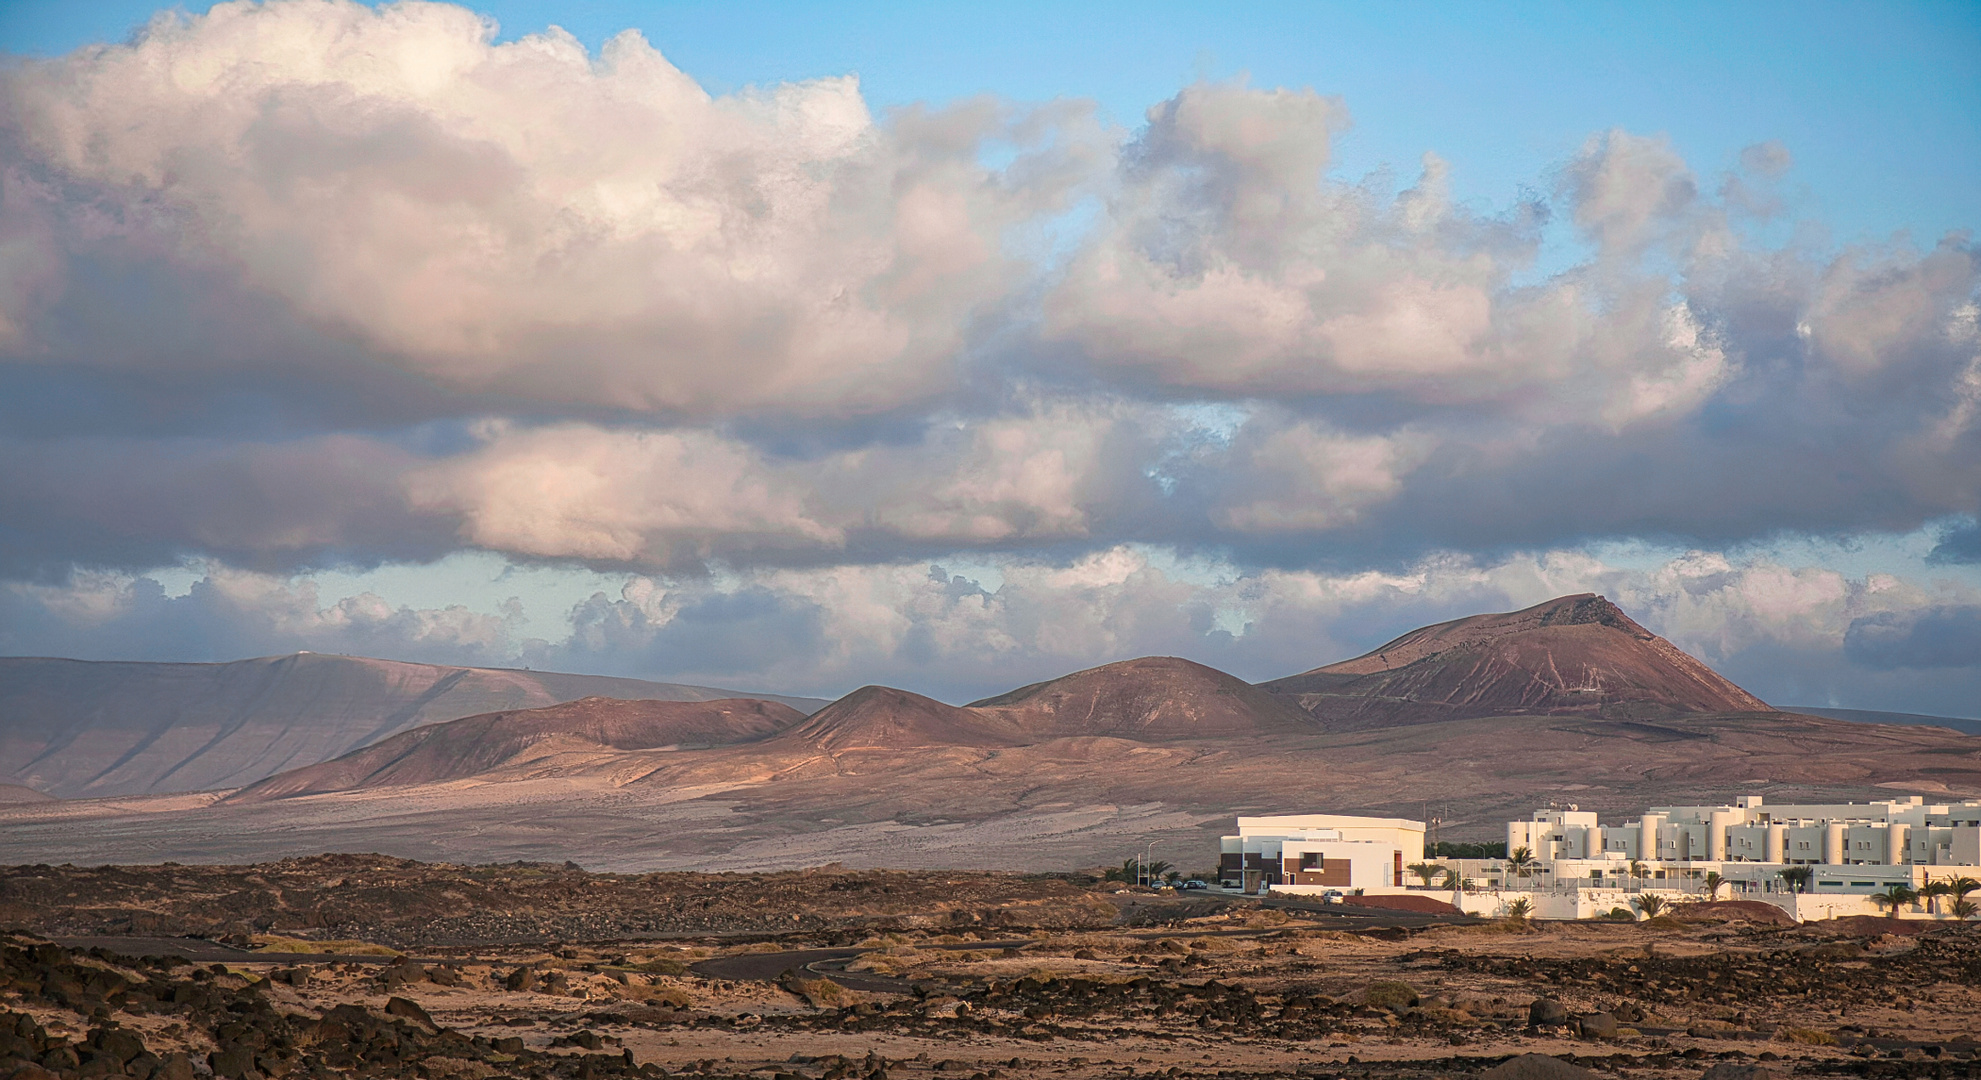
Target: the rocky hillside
pixel 1574 655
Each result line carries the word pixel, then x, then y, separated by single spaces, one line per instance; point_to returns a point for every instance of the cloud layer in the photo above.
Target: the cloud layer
pixel 308 283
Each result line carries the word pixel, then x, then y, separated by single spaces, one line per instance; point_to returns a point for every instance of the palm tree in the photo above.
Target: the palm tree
pixel 1712 882
pixel 1521 861
pixel 1129 870
pixel 1426 871
pixel 1964 909
pixel 1931 892
pixel 1157 869
pixel 1959 887
pixel 1519 910
pixel 1895 896
pixel 1456 882
pixel 1172 876
pixel 1637 872
pixel 1650 904
pixel 1797 877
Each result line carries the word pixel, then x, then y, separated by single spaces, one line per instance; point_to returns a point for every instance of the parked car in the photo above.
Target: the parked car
pixel 1332 896
pixel 1193 883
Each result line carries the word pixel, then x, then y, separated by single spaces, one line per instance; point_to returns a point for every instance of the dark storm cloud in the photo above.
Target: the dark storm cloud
pixel 1959 544
pixel 1938 637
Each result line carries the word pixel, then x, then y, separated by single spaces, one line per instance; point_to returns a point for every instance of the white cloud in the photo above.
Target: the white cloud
pixel 310 283
pixel 526 219
pixel 578 492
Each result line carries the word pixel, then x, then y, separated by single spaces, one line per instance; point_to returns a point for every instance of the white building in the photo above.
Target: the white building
pixel 1313 853
pixel 1896 832
pixel 1850 850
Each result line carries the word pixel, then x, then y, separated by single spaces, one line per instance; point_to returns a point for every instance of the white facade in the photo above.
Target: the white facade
pixel 1313 853
pixel 1897 832
pixel 1850 851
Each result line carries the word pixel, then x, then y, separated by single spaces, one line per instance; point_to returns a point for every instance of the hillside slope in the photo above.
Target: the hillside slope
pixel 78 728
pixel 478 745
pixel 1154 697
pixel 1574 655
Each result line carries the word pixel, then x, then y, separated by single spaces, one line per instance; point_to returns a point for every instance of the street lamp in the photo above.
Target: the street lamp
pixel 1148 861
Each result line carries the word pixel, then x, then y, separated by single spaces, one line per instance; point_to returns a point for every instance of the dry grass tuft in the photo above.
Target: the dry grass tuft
pixel 277 944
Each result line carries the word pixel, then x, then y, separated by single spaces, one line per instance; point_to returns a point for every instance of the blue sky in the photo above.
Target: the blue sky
pixel 1879 103
pixel 498 357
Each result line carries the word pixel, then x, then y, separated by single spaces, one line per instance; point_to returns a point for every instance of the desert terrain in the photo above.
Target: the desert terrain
pixel 541 970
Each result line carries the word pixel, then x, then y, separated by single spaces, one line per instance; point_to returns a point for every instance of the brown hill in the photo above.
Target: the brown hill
pixel 84 728
pixel 478 745
pixel 1155 697
pixel 1572 655
pixel 883 718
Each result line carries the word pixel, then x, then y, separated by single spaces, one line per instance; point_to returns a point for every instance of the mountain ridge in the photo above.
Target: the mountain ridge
pixel 1572 655
pixel 85 728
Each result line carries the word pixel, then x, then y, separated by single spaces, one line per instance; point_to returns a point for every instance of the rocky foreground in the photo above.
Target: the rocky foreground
pixel 1015 978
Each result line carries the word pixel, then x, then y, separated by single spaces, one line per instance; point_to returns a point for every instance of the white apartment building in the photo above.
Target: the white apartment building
pixel 1895 832
pixel 1581 868
pixel 1850 848
pixel 1313 853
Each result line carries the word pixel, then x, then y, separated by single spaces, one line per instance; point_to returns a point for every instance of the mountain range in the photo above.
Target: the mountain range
pixel 1474 721
pixel 82 728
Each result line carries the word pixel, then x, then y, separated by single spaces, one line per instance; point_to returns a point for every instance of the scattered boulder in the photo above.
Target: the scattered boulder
pixel 407 1009
pixel 1597 1025
pixel 1546 1012
pixel 1739 1070
pixel 233 1063
pixel 1536 1067
pixel 403 973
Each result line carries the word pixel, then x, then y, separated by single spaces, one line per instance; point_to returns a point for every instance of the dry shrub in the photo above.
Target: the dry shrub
pixel 1806 1036
pixel 892 961
pixel 276 944
pixel 1389 995
pixel 672 997
pixel 1214 945
pixel 663 965
pixel 453 1068
pixel 819 993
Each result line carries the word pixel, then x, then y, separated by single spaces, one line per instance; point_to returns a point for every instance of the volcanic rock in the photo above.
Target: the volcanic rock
pixel 1536 1067
pixel 1743 1070
pixel 1546 1012
pixel 1598 1025
pixel 1574 655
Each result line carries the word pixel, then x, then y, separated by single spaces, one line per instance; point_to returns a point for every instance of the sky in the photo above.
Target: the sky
pixel 790 348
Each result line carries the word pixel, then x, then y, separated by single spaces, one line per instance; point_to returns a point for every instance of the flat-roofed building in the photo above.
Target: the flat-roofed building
pixel 1318 852
pixel 1848 848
